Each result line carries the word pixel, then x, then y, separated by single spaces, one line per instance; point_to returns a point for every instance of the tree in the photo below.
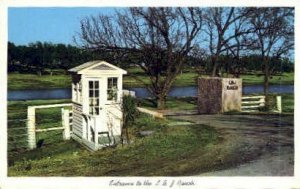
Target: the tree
pixel 274 37
pixel 156 39
pixel 12 56
pixel 224 27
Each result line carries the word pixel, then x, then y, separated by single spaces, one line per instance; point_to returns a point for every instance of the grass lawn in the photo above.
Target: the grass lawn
pixel 284 79
pixel 172 150
pixel 288 101
pixel 173 103
pixel 31 81
pixel 134 78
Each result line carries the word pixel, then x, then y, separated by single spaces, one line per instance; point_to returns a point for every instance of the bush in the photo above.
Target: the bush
pixel 129 113
pixel 129 109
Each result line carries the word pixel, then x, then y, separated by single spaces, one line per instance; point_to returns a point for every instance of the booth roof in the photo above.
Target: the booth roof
pixel 97 65
pixel 83 66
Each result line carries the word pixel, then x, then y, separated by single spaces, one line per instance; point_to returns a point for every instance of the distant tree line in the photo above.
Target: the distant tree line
pixel 37 57
pixel 43 58
pixel 247 64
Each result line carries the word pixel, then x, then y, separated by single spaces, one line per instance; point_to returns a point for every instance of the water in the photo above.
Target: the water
pixel 140 92
pixel 192 91
pixel 39 94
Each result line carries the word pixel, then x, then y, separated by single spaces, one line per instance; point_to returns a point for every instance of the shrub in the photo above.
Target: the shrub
pixel 129 113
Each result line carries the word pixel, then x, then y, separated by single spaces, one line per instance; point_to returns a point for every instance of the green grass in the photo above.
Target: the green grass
pixel 173 103
pixel 257 79
pixel 135 78
pixel 288 102
pixel 170 151
pixel 173 149
pixel 144 157
pixel 30 81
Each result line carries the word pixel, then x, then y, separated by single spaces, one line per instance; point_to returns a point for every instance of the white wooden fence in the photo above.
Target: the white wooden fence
pixel 31 123
pixel 253 103
pixel 16 134
pixel 128 93
pixel 150 112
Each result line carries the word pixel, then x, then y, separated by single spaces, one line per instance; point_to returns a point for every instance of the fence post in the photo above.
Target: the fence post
pixel 66 123
pixel 278 103
pixel 31 127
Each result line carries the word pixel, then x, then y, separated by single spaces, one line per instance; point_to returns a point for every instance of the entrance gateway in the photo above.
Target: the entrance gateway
pixel 96 104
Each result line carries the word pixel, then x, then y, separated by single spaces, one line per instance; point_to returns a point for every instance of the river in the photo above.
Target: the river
pixel 65 93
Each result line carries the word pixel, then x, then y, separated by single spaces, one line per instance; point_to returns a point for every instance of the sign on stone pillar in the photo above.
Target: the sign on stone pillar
pixel 219 95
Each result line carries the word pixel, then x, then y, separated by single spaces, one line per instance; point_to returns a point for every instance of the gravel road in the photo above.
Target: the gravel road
pixel 274 132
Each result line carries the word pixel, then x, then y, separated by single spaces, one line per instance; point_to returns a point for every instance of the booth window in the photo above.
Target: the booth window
pixel 77 94
pixel 112 88
pixel 80 92
pixel 94 97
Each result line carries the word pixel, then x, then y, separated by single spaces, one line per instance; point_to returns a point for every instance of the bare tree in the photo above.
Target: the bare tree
pixel 157 39
pixel 273 36
pixel 224 27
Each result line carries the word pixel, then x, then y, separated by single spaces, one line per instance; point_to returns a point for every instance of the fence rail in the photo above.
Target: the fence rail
pixel 16 135
pixel 22 133
pixel 253 103
pixel 49 129
pixel 31 124
pixel 150 112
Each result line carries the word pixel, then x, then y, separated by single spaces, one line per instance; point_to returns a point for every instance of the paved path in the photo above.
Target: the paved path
pixel 266 165
pixel 275 133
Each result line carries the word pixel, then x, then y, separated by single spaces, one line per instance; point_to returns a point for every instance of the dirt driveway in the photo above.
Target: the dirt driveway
pixel 273 133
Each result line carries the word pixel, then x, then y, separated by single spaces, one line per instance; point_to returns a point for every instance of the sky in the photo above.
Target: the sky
pixel 50 24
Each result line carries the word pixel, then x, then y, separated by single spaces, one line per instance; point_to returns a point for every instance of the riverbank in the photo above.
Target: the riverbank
pixel 135 78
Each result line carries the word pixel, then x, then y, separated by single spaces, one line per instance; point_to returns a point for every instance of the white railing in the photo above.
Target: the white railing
pixel 253 103
pixel 31 126
pixel 150 112
pixel 128 93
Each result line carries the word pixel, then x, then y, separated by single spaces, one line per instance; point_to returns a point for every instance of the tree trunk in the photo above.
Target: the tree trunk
pixel 266 91
pixel 161 102
pixel 122 136
pixel 66 71
pixel 266 85
pixel 214 66
pixel 39 73
pixel 127 136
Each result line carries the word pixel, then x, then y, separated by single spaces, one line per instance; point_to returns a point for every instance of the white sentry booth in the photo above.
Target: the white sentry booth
pixel 96 98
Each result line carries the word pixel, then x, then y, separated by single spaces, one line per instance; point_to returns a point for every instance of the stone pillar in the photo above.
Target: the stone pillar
pixel 219 95
pixel 209 95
